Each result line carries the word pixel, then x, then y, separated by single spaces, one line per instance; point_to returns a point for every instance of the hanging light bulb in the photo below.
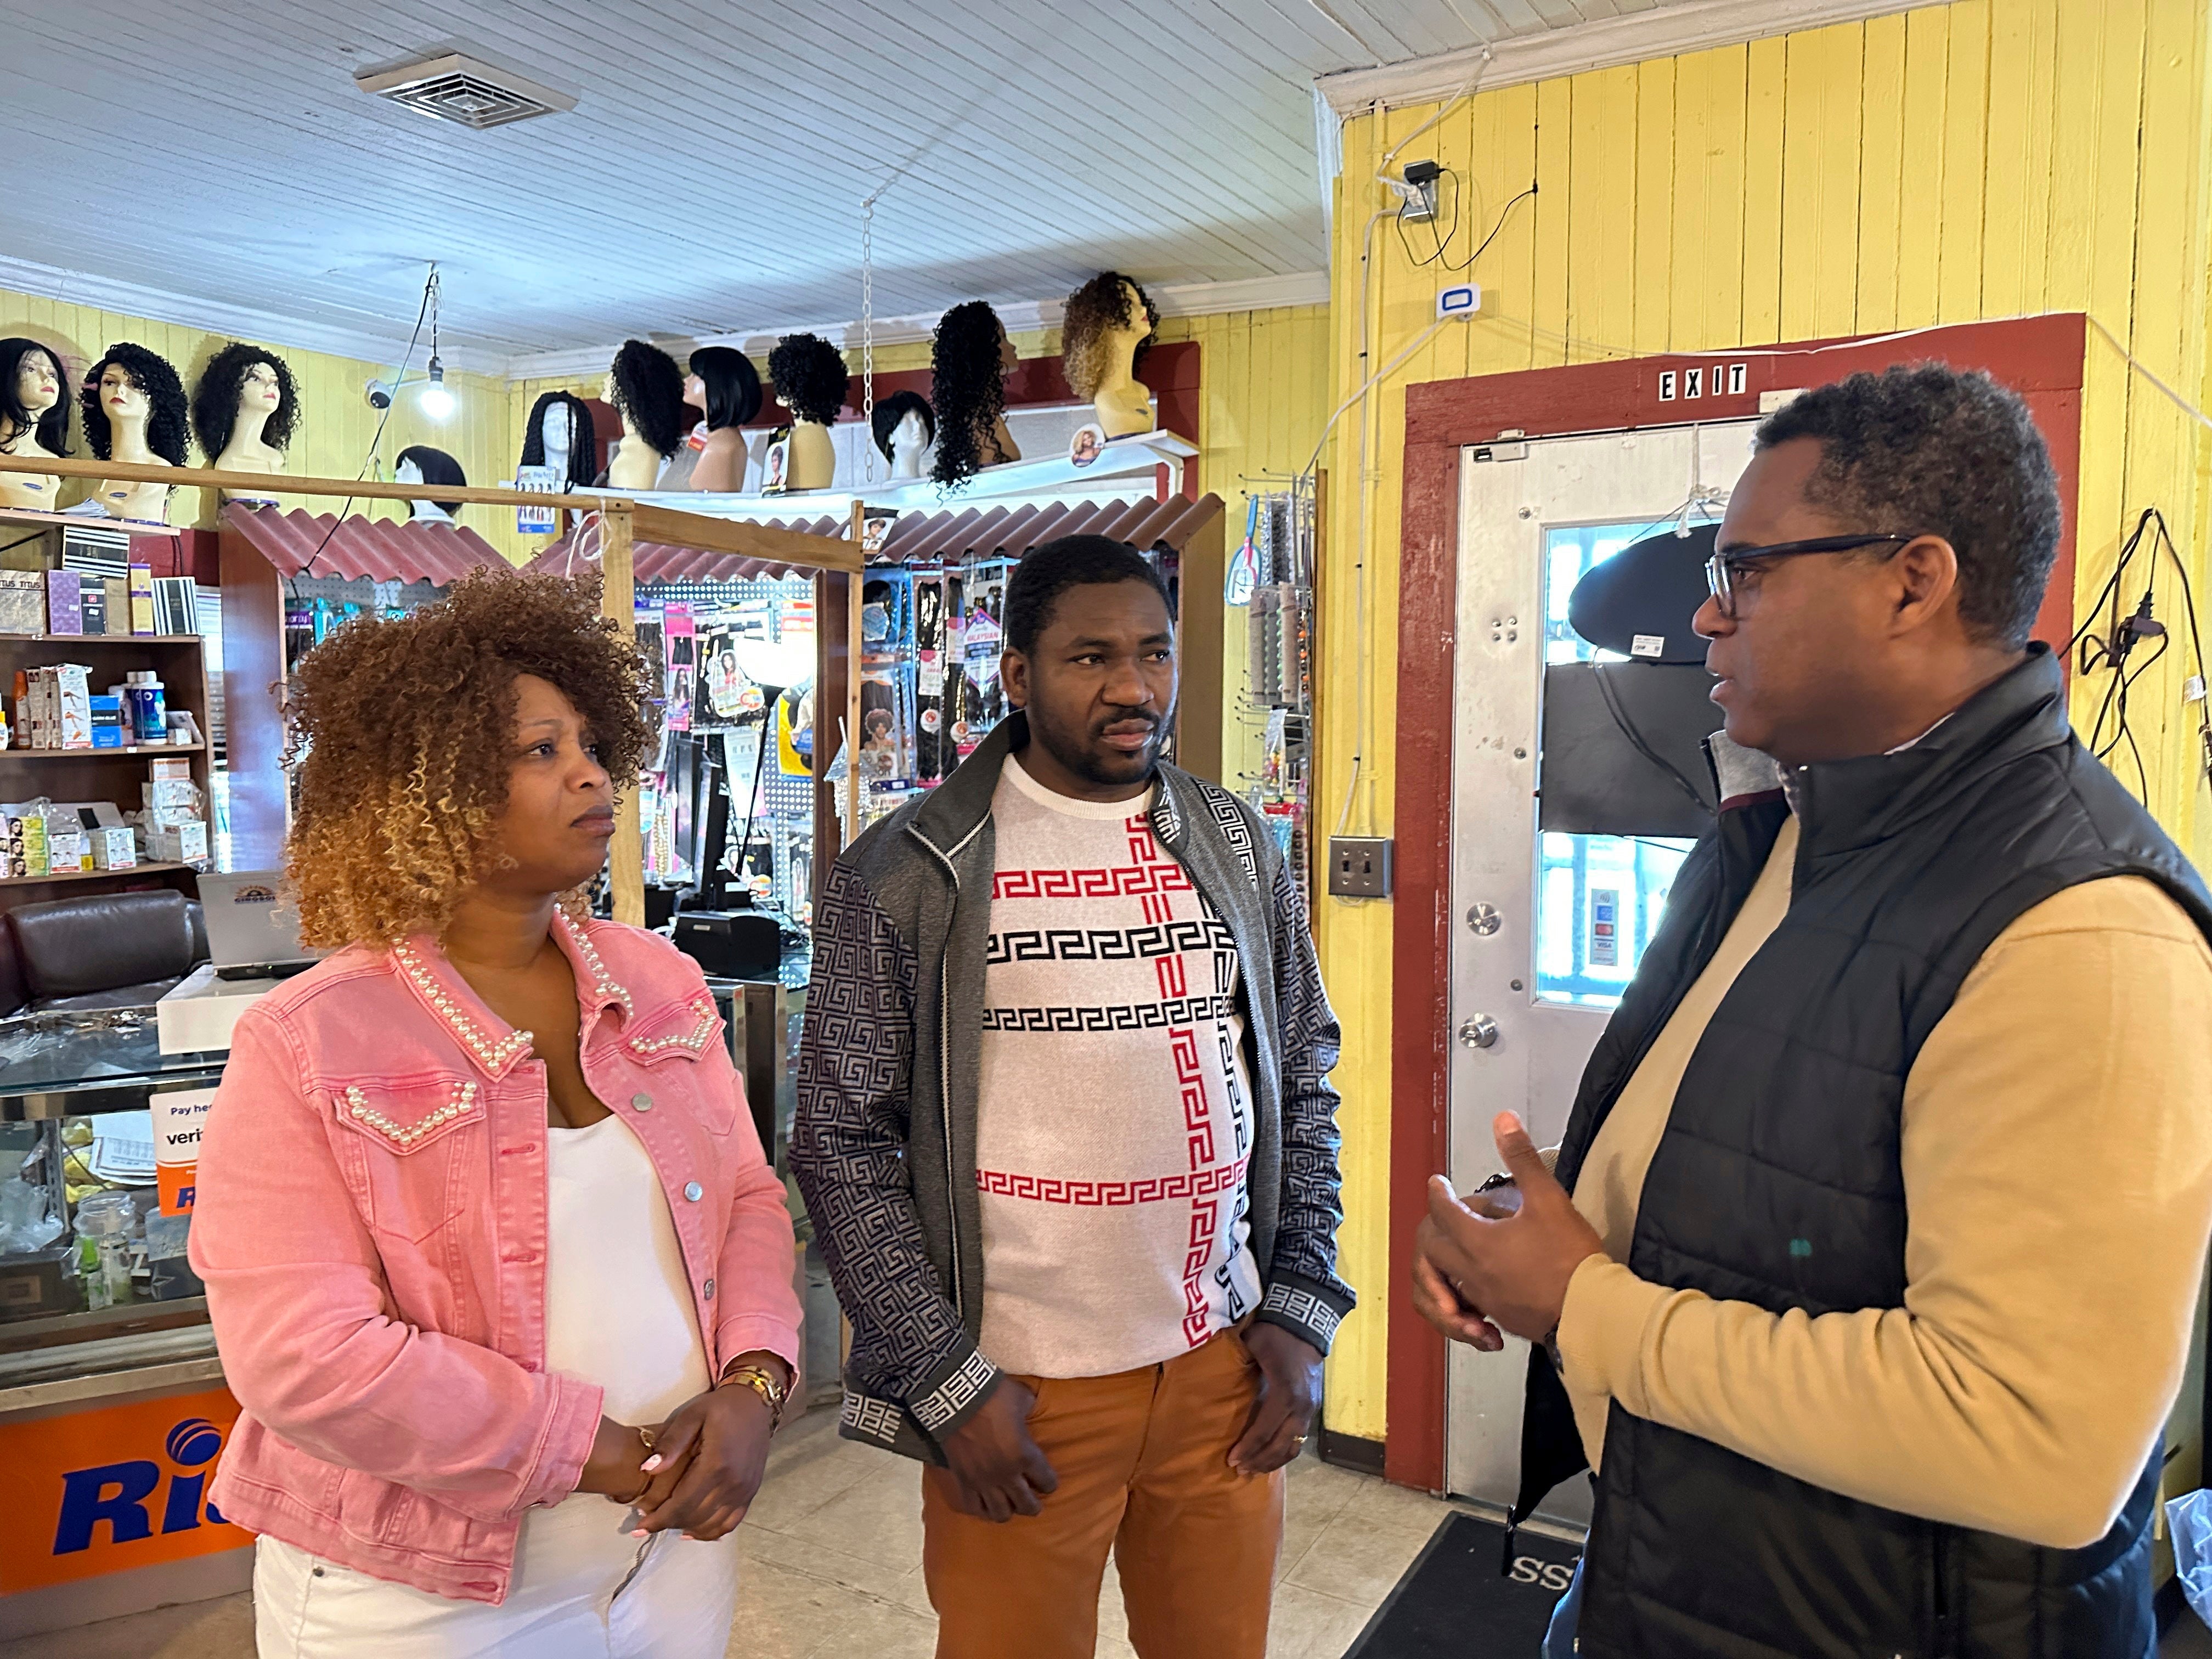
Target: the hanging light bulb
pixel 437 402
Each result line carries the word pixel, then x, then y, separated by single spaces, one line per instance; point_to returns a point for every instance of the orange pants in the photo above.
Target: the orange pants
pixel 1143 1461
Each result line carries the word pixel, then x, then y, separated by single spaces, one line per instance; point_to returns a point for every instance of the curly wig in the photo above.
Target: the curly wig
pixel 810 376
pixel 583 438
pixel 649 395
pixel 1100 305
pixel 969 390
pixel 733 386
pixel 215 402
pixel 894 410
pixel 401 737
pixel 52 427
pixel 167 432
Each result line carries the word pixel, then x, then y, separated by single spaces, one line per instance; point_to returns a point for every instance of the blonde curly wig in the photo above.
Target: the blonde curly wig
pixel 401 735
pixel 1101 304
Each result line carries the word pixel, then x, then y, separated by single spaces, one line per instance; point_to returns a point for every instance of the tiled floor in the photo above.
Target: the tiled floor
pixel 832 1554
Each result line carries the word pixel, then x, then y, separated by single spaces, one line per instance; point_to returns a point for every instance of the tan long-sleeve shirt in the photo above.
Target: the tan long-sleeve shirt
pixel 2056 1155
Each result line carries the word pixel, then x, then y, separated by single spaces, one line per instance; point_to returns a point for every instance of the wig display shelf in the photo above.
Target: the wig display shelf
pixel 1043 480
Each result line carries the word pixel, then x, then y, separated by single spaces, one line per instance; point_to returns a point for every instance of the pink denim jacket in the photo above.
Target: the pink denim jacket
pixel 371 1225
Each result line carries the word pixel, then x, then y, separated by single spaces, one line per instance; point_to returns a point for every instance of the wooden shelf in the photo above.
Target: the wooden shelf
pixel 89 875
pixel 101 639
pixel 135 526
pixel 141 750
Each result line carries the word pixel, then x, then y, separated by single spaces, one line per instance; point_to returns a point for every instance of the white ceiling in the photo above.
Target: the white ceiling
pixel 214 157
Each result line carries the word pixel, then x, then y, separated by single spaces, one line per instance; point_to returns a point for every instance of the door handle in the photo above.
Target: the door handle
pixel 1479 1032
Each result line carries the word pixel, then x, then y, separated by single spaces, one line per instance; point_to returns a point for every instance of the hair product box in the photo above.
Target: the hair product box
pixel 113 849
pixel 141 598
pixel 64 602
pixel 22 601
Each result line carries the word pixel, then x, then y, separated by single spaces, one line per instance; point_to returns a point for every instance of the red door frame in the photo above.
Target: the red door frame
pixel 2040 357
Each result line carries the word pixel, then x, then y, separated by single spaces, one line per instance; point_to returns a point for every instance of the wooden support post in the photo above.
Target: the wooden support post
pixel 854 585
pixel 618 600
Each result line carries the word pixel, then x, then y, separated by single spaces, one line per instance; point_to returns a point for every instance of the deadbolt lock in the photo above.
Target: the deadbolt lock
pixel 1483 920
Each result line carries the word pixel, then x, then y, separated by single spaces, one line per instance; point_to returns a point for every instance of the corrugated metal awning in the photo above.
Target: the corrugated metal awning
pixel 378 550
pixel 927 538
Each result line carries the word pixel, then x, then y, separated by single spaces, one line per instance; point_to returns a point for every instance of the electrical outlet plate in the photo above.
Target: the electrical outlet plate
pixel 1360 866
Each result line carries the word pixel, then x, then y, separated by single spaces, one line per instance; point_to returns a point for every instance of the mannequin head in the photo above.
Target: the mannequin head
pixel 724 387
pixel 561 423
pixel 31 382
pixel 647 389
pixel 419 464
pixel 810 377
pixel 244 380
pixel 904 427
pixel 135 385
pixel 1109 315
pixel 968 362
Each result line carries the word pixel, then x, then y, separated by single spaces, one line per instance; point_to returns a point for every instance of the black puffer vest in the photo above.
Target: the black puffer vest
pixel 1777 1183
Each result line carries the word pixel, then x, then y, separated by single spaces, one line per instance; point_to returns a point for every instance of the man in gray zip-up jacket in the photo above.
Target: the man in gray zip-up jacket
pixel 897 1068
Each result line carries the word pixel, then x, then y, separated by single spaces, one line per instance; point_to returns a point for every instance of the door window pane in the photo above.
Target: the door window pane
pixel 1599 898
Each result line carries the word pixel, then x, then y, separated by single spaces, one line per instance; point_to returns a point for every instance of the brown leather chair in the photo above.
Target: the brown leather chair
pixel 108 950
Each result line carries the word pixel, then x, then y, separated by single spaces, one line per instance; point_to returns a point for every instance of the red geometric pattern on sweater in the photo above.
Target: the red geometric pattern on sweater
pixel 1142 882
pixel 1107 1194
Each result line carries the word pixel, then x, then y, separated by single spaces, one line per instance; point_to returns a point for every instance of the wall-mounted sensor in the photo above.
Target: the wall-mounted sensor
pixel 1463 301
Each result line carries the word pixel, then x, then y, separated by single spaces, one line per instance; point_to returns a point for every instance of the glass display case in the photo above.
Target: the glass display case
pixel 92 1240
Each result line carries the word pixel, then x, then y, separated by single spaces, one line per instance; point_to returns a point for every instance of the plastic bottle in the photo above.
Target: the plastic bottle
pixel 149 709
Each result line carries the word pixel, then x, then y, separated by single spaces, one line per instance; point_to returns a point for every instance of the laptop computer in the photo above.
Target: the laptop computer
pixel 253 934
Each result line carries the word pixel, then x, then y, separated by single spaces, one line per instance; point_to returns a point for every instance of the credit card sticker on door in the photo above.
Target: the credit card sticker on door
pixel 1604 927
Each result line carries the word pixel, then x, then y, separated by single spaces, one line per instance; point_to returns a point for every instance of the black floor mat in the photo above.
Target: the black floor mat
pixel 1453 1603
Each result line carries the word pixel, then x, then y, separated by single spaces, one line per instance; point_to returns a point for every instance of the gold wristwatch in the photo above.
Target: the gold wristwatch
pixel 757 1377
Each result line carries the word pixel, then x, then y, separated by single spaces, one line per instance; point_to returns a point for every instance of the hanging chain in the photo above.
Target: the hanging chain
pixel 868 335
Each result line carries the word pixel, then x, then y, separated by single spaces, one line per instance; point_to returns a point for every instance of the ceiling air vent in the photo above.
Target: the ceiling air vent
pixel 454 87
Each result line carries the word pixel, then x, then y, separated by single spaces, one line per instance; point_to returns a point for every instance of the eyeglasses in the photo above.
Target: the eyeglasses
pixel 1722 569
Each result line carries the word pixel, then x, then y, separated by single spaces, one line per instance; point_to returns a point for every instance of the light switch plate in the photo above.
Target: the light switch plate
pixel 1360 866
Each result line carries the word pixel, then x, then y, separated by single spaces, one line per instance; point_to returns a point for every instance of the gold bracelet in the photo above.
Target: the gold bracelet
pixel 772 1394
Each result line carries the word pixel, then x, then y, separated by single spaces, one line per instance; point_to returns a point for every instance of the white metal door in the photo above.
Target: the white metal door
pixel 1546 929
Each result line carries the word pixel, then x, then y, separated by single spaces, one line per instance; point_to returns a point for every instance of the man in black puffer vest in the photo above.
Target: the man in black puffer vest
pixel 1866 1276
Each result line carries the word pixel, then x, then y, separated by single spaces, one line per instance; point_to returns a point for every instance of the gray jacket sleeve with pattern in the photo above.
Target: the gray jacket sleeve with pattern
pixel 1304 1294
pixel 849 1149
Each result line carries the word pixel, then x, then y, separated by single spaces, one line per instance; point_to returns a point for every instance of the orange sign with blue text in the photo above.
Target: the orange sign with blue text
pixel 104 1490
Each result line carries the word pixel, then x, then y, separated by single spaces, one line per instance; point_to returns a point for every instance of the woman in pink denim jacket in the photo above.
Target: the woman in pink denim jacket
pixel 486 1231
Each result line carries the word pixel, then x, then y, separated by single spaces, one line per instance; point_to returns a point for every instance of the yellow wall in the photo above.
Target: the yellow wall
pixel 335 425
pixel 1953 163
pixel 1263 387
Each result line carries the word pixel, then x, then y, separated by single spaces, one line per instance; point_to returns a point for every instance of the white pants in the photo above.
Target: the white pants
pixel 583 1588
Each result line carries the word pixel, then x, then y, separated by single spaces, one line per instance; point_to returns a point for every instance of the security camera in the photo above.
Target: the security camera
pixel 380 394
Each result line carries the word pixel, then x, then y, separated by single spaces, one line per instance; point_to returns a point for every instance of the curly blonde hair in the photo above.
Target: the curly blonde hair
pixel 400 743
pixel 1101 304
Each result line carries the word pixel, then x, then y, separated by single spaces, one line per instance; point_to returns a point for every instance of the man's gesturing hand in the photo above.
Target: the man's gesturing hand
pixel 998 1471
pixel 1290 1393
pixel 1508 1273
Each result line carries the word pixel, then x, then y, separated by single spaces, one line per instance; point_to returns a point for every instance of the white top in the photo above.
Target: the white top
pixel 618 1309
pixel 1115 1123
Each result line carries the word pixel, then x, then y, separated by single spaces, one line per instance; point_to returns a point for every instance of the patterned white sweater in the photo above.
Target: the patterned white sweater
pixel 1115 1126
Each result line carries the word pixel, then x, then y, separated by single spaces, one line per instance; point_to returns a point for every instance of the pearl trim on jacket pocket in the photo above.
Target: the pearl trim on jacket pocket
pixel 405 1135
